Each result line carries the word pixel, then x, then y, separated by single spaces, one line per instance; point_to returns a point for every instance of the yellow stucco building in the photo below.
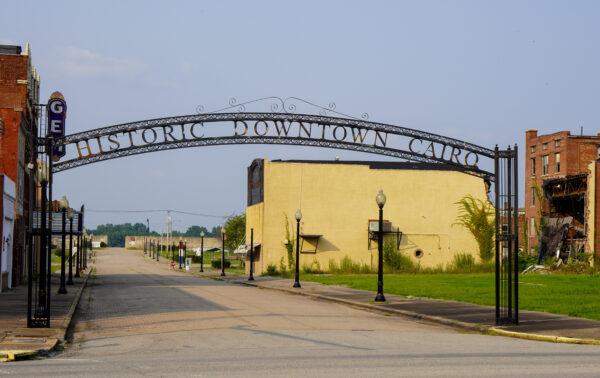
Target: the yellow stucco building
pixel 337 200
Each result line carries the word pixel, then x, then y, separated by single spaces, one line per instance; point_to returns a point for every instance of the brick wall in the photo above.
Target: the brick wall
pixel 19 92
pixel 576 152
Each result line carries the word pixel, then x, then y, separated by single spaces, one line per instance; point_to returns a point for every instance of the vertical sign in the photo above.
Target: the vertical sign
pixel 57 113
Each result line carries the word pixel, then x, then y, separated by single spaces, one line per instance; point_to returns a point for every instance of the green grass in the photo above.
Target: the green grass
pixel 569 294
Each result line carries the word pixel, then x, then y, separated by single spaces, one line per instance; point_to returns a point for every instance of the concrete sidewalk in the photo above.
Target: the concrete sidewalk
pixel 533 325
pixel 16 340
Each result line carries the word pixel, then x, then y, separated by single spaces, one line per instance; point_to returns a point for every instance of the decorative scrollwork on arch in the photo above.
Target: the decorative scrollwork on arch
pixel 280 105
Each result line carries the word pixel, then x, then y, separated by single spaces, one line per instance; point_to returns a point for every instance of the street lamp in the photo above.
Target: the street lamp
pixel 223 251
pixel 298 216
pixel 380 199
pixel 70 216
pixel 251 277
pixel 64 205
pixel 201 251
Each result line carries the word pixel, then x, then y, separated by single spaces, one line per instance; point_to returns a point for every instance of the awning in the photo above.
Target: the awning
pixel 313 239
pixel 244 248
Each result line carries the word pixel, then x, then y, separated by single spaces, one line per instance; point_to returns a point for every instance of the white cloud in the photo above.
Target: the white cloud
pixel 82 63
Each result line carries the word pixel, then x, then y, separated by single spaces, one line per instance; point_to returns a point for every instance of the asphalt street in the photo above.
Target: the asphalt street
pixel 139 318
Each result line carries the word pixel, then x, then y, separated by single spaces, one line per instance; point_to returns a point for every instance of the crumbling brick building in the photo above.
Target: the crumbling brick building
pixel 561 190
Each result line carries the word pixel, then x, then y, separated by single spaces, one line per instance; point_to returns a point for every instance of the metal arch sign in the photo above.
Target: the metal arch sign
pixel 57 114
pixel 269 128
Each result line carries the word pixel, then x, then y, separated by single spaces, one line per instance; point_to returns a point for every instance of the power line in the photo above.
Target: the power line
pixel 158 211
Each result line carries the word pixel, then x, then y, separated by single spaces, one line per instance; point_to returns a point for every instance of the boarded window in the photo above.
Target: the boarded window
pixel 256 182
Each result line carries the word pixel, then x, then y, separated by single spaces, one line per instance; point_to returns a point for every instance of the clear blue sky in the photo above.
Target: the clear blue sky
pixel 476 70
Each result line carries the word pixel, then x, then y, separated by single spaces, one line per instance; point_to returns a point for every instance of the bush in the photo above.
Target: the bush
pixel 313 268
pixel 526 260
pixel 477 216
pixel 465 263
pixel 462 262
pixel 333 266
pixel 57 252
pixel 217 264
pixel 103 245
pixel 271 270
pixel 347 266
pixel 395 261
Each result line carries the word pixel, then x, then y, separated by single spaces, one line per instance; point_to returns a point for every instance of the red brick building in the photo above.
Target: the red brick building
pixel 19 94
pixel 560 183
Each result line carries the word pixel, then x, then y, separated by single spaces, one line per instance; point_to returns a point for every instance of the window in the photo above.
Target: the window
pixel 545 165
pixel 598 152
pixel 544 146
pixel 557 143
pixel 533 166
pixel 533 149
pixel 533 196
pixel 531 226
pixel 557 161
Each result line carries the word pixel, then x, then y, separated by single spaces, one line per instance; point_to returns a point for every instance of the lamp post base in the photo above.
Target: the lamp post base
pixel 297 285
pixel 62 290
pixel 251 278
pixel 222 274
pixel 379 297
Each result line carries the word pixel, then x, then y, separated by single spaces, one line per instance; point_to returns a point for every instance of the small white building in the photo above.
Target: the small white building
pixel 7 232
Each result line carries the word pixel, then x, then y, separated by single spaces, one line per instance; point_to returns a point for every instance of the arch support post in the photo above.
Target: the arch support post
pixel 506 254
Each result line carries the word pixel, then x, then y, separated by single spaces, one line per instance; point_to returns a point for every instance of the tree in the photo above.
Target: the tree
pixel 215 232
pixel 235 231
pixel 477 216
pixel 116 232
pixel 196 231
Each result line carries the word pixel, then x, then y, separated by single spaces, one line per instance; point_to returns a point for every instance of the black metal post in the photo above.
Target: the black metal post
pixel 223 253
pixel 78 260
pixel 380 297
pixel 516 231
pixel 70 281
pixel 497 231
pixel 251 277
pixel 30 237
pixel 297 264
pixel 158 252
pixel 62 289
pixel 43 252
pixel 202 253
pixel 84 253
pixel 509 232
pixel 49 231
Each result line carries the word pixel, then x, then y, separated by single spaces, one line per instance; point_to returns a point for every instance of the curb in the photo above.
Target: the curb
pixel 12 355
pixel 475 327
pixel 67 319
pixel 537 337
